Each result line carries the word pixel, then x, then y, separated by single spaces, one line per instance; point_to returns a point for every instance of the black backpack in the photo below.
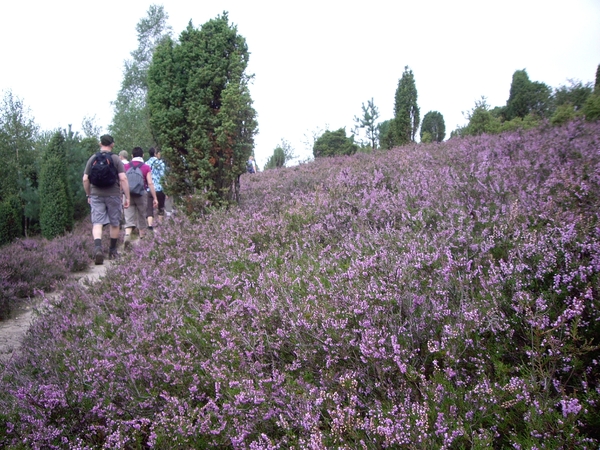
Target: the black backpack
pixel 135 177
pixel 103 172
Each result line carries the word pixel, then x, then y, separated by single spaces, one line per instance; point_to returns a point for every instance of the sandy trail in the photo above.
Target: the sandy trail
pixel 13 329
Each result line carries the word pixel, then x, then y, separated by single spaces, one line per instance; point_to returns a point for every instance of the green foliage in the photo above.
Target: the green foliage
pixel 406 111
pixel 334 143
pixel 131 121
pixel 18 135
pixel 78 152
pixel 434 125
pixel 277 159
pixel 481 120
pixel 386 135
pixel 17 145
pixel 591 108
pixel 527 97
pixel 597 82
pixel 563 113
pixel 10 219
pixel 201 110
pixel 368 122
pixel 56 205
pixel 282 154
pixel 575 94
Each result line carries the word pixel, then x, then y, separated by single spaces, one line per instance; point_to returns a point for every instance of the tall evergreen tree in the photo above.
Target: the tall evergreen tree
pixel 282 154
pixel 56 203
pixel 368 122
pixel 201 110
pixel 406 111
pixel 527 97
pixel 433 123
pixel 18 136
pixel 276 160
pixel 18 133
pixel 131 121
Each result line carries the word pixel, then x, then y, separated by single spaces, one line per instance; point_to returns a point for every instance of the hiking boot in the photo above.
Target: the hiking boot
pixel 127 243
pixel 98 256
pixel 113 254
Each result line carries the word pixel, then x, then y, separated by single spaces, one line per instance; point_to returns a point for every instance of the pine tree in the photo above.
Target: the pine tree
pixel 368 122
pixel 56 203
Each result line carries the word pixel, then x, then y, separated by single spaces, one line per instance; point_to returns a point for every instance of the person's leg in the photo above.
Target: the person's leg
pixel 150 210
pixel 114 205
pixel 129 223
pixel 160 196
pixel 99 218
pixel 141 206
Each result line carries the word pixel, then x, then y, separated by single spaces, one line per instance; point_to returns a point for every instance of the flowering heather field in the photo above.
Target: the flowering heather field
pixel 33 264
pixel 434 296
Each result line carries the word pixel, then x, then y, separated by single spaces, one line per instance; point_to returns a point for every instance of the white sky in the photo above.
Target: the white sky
pixel 315 62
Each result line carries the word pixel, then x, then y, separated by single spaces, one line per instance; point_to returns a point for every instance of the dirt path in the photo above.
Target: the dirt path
pixel 13 329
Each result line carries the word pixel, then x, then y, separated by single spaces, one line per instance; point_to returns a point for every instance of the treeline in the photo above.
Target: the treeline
pixel 40 187
pixel 529 104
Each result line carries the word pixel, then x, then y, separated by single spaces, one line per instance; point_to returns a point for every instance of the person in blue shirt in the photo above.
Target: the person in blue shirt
pixel 158 172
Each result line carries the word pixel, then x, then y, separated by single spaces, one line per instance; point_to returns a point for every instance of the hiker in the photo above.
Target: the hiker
pixel 103 179
pixel 124 156
pixel 157 165
pixel 139 177
pixel 251 165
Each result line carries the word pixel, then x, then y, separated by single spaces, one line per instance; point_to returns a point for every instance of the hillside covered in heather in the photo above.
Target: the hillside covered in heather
pixel 431 296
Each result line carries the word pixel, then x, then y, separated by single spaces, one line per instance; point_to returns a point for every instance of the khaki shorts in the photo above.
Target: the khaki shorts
pixel 106 210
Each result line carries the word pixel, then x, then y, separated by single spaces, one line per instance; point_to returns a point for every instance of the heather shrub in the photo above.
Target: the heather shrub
pixel 36 264
pixel 441 295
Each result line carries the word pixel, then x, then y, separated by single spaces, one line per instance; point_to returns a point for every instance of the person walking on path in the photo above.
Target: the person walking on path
pixel 135 216
pixel 124 156
pixel 158 172
pixel 103 179
pixel 251 165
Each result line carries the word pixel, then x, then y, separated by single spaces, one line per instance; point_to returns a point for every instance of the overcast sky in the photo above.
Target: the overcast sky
pixel 315 62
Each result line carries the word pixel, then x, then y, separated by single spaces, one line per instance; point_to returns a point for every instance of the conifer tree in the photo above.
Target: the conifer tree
pixel 406 111
pixel 56 203
pixel 433 123
pixel 10 219
pixel 368 122
pixel 201 110
pixel 527 97
pixel 277 159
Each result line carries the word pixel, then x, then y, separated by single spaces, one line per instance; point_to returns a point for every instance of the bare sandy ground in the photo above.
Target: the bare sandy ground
pixel 13 329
